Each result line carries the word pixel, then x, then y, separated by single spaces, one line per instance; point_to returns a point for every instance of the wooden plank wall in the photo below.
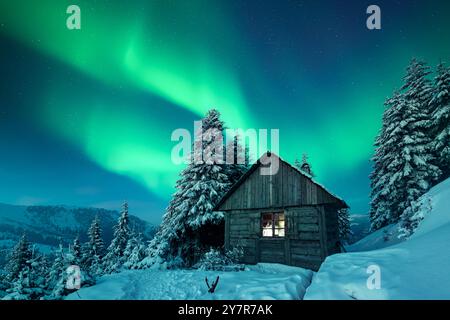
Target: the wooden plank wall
pixel 244 230
pixel 284 189
pixel 304 237
pixel 302 246
pixel 272 250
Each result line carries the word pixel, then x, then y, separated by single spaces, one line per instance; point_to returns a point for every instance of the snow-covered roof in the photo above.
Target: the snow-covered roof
pixel 258 163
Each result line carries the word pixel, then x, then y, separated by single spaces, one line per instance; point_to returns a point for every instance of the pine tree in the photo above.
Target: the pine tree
pixel 239 153
pixel 403 161
pixel 57 279
pixel 20 254
pixel 93 252
pixel 344 224
pixel 57 276
pixel 134 251
pixel 440 146
pixel 305 166
pixel 95 238
pixel 4 285
pixel 199 189
pixel 386 145
pixel 38 270
pixel 90 267
pixel 26 273
pixel 19 288
pixel 76 251
pixel 419 171
pixel 440 105
pixel 115 257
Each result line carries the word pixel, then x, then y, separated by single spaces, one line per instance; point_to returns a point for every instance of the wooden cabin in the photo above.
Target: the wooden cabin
pixel 283 218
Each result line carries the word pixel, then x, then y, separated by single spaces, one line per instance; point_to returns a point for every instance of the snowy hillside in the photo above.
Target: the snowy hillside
pixel 262 281
pixel 382 238
pixel 45 225
pixel 414 269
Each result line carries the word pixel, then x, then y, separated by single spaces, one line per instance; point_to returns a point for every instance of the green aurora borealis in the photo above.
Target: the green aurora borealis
pixel 137 70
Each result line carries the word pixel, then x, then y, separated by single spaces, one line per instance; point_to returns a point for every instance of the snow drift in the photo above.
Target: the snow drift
pixel 417 268
pixel 262 281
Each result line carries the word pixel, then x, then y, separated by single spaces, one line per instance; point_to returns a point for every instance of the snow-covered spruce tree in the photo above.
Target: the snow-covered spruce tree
pixel 57 276
pixel 4 284
pixel 39 269
pixel 200 187
pixel 305 166
pixel 440 145
pixel 115 256
pixel 344 224
pixel 440 105
pixel 20 254
pixel 27 276
pixel 18 291
pixel 76 251
pixel 413 215
pixel 90 267
pixel 134 251
pixel 403 169
pixel 386 145
pixel 419 171
pixel 239 154
pixel 93 251
pixel 63 268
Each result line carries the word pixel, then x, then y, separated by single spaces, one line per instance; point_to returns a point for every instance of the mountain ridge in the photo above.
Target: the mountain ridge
pixel 49 225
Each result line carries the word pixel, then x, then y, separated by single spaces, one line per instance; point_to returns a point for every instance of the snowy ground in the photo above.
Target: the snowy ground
pixel 414 269
pixel 417 268
pixel 263 281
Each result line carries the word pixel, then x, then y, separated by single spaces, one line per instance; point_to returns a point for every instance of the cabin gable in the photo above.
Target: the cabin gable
pixel 287 188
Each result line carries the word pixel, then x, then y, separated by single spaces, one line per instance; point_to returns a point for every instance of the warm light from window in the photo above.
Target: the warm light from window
pixel 273 225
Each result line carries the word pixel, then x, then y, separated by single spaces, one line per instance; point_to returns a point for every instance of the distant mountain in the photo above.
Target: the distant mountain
pixel 360 226
pixel 48 225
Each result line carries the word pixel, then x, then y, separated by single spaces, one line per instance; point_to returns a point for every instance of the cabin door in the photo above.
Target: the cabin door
pixel 272 240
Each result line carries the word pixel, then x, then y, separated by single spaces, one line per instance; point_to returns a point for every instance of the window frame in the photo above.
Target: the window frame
pixel 274 215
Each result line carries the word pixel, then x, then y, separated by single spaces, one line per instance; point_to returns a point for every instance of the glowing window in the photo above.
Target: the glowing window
pixel 273 224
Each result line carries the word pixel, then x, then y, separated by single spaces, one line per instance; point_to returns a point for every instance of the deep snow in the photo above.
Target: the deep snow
pixel 414 269
pixel 417 268
pixel 262 281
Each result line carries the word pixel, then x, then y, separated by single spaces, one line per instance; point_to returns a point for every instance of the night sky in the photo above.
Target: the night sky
pixel 86 115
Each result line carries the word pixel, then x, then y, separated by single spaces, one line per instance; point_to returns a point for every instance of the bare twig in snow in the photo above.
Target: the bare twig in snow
pixel 212 287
